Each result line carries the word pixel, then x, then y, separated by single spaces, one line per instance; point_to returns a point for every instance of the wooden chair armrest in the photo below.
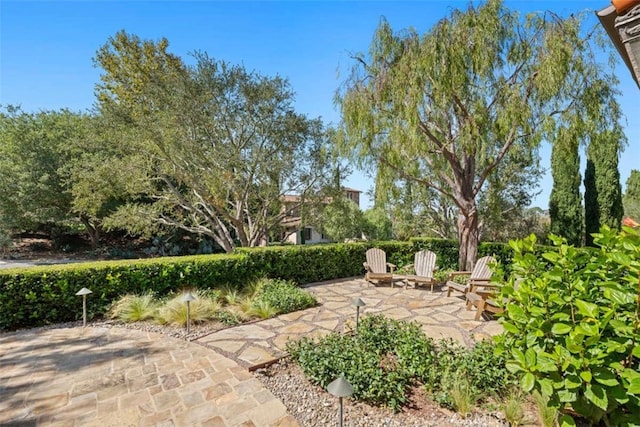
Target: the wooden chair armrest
pixel 484 293
pixel 458 273
pixel 391 266
pixel 366 266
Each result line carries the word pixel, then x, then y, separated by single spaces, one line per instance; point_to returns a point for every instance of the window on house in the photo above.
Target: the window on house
pixel 307 233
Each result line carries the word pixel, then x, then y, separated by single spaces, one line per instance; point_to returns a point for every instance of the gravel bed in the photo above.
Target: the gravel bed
pixel 312 406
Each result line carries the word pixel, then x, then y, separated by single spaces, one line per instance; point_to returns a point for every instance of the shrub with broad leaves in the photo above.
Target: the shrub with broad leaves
pixel 572 326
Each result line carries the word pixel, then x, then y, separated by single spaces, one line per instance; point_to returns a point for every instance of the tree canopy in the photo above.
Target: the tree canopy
pixel 219 145
pixel 447 108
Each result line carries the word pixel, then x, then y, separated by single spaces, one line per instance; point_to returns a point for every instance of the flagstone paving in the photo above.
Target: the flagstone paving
pixel 440 317
pixel 116 377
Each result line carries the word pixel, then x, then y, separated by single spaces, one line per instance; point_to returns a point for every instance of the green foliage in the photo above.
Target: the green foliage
pixel 381 361
pixel 283 296
pixel 504 87
pixel 463 396
pixel 572 325
pixel 565 204
pixel 386 356
pixel 631 199
pixel 199 137
pixel 342 219
pixel 35 149
pixel 308 263
pixel 547 414
pixel 603 194
pixel 134 308
pixel 261 309
pixel 483 370
pixel 43 295
pixel 513 408
pixel 377 224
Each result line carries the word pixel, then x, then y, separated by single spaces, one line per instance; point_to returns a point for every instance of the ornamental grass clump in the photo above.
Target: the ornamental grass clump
pixel 134 308
pixel 174 311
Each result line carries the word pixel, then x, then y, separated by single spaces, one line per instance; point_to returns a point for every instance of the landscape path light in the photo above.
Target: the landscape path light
pixel 84 292
pixel 188 298
pixel 358 303
pixel 340 388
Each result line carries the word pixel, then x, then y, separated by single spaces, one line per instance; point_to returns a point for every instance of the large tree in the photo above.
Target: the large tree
pixel 35 150
pixel 220 145
pixel 446 108
pixel 603 192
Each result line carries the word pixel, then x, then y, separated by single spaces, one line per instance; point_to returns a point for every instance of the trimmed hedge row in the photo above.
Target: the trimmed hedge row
pixel 44 295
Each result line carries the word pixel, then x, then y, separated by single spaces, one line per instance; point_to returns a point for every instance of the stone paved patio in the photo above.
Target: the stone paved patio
pixel 116 377
pixel 440 317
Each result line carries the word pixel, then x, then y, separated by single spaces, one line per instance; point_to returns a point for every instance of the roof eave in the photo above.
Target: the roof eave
pixel 607 17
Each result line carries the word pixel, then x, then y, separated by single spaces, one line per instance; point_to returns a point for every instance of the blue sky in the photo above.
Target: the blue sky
pixel 46 48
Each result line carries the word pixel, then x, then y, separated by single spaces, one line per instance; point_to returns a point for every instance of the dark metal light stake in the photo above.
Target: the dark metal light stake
pixel 188 298
pixel 358 303
pixel 84 292
pixel 340 388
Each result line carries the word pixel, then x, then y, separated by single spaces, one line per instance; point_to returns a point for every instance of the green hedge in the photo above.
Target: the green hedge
pixel 43 295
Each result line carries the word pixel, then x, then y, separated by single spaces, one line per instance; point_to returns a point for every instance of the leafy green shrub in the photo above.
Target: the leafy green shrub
pixel 572 326
pixel 283 296
pixel 484 371
pixel 134 308
pixel 381 360
pixel 387 356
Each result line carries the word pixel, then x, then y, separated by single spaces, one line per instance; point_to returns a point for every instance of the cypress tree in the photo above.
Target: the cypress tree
pixel 631 200
pixel 603 193
pixel 565 207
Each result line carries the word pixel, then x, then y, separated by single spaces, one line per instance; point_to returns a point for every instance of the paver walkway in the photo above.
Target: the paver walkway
pixel 120 377
pixel 115 377
pixel 440 317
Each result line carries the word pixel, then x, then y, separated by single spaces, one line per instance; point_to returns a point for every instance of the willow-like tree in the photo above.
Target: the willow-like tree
pixel 603 192
pixel 220 145
pixel 445 108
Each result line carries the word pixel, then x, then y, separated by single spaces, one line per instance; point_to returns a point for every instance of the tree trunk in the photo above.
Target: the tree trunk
pixel 92 230
pixel 468 237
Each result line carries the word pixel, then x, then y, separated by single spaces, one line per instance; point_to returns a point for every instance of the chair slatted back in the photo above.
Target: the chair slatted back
pixel 425 263
pixel 482 271
pixel 377 260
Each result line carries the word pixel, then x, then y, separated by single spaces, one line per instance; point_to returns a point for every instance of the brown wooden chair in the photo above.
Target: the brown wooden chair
pixel 479 276
pixel 424 266
pixel 484 300
pixel 376 267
